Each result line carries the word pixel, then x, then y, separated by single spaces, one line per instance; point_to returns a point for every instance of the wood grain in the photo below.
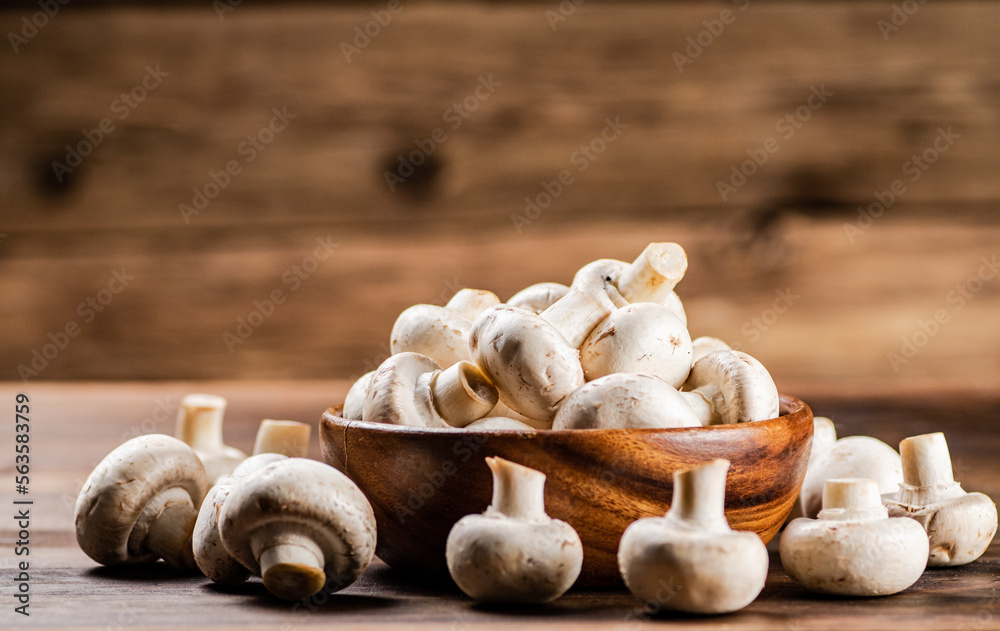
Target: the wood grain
pixel 599 481
pixel 74 425
pixel 450 226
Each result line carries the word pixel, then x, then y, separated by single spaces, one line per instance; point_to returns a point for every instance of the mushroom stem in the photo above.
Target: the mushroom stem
pixel 575 315
pixel 927 473
pixel 292 568
pixel 700 495
pixel 654 274
pixel 852 499
pixel 169 522
pixel 288 438
pixel 462 393
pixel 199 422
pixel 518 491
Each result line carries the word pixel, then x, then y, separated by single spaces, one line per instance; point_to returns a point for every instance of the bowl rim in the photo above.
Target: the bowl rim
pixel 792 406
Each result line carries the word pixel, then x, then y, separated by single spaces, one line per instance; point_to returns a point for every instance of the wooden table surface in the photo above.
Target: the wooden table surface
pixel 74 425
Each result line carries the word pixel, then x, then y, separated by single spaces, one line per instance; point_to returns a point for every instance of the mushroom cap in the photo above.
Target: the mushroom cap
pixel 959 529
pixel 493 558
pixel 599 280
pixel 691 570
pixel 399 392
pixel 306 498
pixel 850 457
pixel 354 402
pixel 528 360
pixel 737 386
pixel 625 400
pixel 437 332
pixel 122 485
pixel 210 554
pixel 642 337
pixel 701 346
pixel 673 302
pixel 471 302
pixel 854 558
pixel 538 297
pixel 491 423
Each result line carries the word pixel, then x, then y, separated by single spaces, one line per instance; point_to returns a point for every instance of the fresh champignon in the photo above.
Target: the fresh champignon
pixel 301 525
pixel 491 423
pixel 514 552
pixel 538 297
pixel 472 302
pixel 288 438
pixel 440 333
pixel 701 346
pixel 650 278
pixel 691 560
pixel 411 389
pixel 502 410
pixel 625 400
pixel 199 424
pixel 851 457
pixel 959 525
pixel 354 403
pixel 532 359
pixel 141 502
pixel 210 554
pixel 642 338
pixel 824 435
pixel 730 387
pixel 854 548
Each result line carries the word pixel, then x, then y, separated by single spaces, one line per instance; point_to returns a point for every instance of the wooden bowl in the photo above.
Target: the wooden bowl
pixel 421 481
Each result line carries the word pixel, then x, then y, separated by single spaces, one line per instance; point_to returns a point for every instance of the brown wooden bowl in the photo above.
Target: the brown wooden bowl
pixel 421 481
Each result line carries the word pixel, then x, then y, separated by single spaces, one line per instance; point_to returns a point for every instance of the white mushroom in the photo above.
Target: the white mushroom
pixel 824 435
pixel 650 278
pixel 854 548
pixel 288 438
pixel 730 387
pixel 514 552
pixel 491 423
pixel 533 359
pixel 642 337
pixel 141 502
pixel 411 389
pixel 440 333
pixel 701 346
pixel 625 400
pixel 301 525
pixel 539 297
pixel 502 410
pixel 472 302
pixel 960 525
pixel 851 457
pixel 210 554
pixel 691 560
pixel 199 424
pixel 354 402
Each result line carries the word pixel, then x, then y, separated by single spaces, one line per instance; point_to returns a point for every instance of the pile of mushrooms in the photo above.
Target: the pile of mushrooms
pixel 299 524
pixel 873 519
pixel 610 350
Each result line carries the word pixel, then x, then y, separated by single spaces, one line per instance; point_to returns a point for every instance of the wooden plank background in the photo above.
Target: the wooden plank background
pixel 858 294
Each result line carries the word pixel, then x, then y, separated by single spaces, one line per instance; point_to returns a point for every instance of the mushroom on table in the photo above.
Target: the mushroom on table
pixel 514 552
pixel 959 525
pixel 199 424
pixel 705 566
pixel 141 502
pixel 301 525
